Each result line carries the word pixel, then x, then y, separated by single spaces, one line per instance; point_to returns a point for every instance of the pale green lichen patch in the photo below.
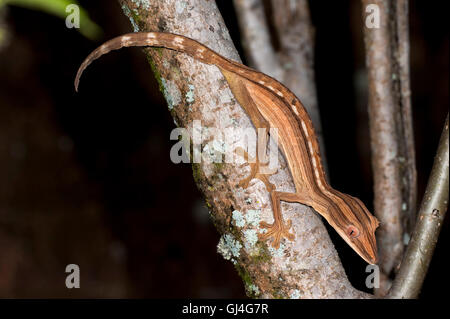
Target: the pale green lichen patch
pixel 250 235
pixel 250 238
pixel 252 289
pixel 253 217
pixel 277 252
pixel 229 247
pixel 190 97
pixel 171 93
pixel 295 294
pixel 238 218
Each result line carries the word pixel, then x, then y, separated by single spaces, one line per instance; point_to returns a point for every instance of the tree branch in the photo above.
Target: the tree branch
pixel 418 255
pixel 393 156
pixel 256 40
pixel 308 267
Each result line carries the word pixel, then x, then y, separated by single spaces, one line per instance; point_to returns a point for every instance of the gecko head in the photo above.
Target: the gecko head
pixel 356 225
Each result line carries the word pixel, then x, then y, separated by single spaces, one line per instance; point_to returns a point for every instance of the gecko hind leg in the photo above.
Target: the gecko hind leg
pixel 279 229
pixel 255 167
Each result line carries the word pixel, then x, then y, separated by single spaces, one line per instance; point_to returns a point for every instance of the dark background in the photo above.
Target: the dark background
pixel 87 179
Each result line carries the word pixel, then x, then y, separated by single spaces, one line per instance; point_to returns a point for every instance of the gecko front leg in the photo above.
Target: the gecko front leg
pixel 279 228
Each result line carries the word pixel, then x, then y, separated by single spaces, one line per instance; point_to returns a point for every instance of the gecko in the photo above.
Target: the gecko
pixel 270 104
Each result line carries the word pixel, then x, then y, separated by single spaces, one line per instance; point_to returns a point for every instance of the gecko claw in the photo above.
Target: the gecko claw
pixel 277 231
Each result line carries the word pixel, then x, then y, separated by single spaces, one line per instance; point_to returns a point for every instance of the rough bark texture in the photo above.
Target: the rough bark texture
pixel 307 267
pixel 432 212
pixel 256 38
pixel 393 156
pixel 286 55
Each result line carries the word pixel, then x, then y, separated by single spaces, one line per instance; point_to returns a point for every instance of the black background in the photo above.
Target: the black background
pixel 86 178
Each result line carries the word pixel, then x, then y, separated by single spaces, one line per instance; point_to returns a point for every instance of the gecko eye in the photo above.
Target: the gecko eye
pixel 352 231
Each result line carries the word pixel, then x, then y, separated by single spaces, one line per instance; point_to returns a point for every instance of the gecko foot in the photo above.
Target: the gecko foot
pixel 277 231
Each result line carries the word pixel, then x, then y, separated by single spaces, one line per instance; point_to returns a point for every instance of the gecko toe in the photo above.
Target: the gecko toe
pixel 277 231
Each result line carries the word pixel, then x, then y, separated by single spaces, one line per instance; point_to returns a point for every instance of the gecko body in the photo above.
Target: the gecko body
pixel 270 104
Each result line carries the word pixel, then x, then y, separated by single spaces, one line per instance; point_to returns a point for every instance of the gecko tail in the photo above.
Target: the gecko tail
pixel 108 46
pixel 113 44
pixel 152 39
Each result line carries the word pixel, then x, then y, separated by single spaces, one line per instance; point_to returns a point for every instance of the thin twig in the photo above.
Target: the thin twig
pixel 393 157
pixel 434 206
